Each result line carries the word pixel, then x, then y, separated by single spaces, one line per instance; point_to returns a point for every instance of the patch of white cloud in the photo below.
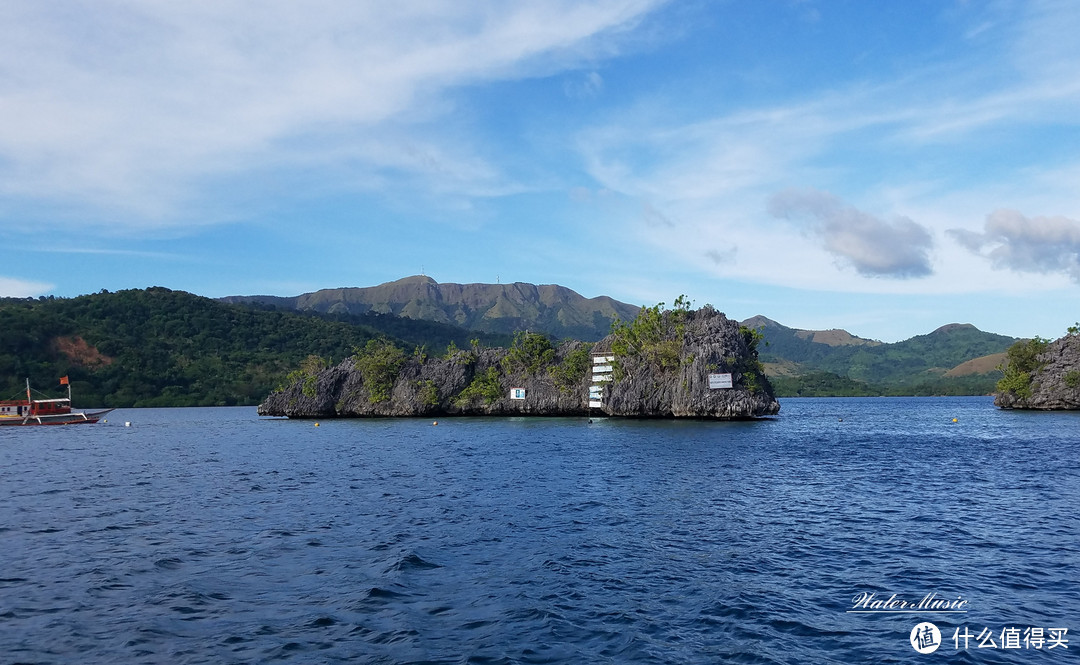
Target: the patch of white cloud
pixel 129 107
pixel 873 247
pixel 11 287
pixel 1013 241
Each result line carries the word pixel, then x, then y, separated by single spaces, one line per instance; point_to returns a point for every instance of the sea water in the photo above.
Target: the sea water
pixel 823 535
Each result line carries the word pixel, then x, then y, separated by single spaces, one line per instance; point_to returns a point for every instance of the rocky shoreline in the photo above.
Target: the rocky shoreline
pixel 678 364
pixel 1054 382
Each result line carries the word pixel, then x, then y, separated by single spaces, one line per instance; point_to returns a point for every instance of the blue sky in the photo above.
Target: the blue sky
pixel 886 168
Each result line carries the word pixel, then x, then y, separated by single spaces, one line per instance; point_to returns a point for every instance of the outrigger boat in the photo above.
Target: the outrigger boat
pixel 56 411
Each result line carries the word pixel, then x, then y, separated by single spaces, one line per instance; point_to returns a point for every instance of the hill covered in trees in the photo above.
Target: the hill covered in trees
pixel 955 359
pixel 158 347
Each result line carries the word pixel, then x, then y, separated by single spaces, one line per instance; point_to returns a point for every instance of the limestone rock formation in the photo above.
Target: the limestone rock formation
pixel 1055 382
pixel 661 373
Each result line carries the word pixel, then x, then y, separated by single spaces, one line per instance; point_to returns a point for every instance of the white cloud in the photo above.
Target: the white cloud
pixel 130 105
pixel 1036 245
pixel 874 247
pixel 21 288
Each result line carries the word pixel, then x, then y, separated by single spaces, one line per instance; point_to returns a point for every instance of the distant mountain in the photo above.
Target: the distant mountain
pixel 157 347
pixel 495 308
pixel 957 358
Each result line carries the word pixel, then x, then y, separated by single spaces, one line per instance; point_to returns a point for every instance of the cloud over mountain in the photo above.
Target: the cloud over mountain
pixel 1026 244
pixel 874 247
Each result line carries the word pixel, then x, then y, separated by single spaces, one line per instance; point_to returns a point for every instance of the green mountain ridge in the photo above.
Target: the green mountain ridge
pixel 924 364
pixel 495 308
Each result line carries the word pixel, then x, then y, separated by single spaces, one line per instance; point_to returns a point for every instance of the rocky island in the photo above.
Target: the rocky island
pixel 676 363
pixel 1042 375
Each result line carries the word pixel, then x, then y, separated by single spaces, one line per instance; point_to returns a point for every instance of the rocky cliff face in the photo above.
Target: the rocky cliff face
pixel 556 382
pixel 1055 385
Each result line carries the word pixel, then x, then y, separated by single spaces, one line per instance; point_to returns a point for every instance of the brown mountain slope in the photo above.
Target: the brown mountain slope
pixel 981 365
pixel 498 308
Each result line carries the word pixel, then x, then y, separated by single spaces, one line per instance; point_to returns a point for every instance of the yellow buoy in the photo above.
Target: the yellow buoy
pixel 954 420
pixel 435 423
pixel 316 424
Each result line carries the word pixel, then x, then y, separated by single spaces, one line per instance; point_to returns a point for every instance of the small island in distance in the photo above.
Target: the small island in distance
pixel 663 364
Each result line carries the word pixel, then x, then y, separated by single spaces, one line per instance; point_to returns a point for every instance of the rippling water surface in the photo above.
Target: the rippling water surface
pixel 213 536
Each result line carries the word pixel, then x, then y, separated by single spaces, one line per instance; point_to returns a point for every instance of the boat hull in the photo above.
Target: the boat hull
pixel 54 419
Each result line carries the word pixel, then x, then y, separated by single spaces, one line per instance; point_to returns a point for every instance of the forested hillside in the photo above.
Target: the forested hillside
pixel 938 363
pixel 158 347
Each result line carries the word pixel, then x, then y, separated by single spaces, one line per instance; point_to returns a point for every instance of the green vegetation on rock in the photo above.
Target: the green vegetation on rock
pixel 654 335
pixel 378 363
pixel 1022 361
pixel 573 368
pixel 528 353
pixel 749 365
pixel 485 385
pixel 308 374
pixel 429 393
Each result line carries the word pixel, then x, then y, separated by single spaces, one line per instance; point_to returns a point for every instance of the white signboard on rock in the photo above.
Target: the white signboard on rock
pixel 719 381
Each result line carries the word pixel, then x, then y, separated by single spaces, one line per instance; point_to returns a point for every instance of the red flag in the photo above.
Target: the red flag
pixel 63 380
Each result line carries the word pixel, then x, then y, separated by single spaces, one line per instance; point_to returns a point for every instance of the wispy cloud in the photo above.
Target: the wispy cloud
pixel 109 251
pixel 586 87
pixel 653 217
pixel 962 127
pixel 1035 245
pixel 129 108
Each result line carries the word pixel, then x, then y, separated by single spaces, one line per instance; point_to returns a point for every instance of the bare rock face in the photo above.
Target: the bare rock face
pixel 1056 384
pixel 710 344
pixel 483 381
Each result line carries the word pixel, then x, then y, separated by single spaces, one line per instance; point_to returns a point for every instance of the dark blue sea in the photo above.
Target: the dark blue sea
pixel 215 536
